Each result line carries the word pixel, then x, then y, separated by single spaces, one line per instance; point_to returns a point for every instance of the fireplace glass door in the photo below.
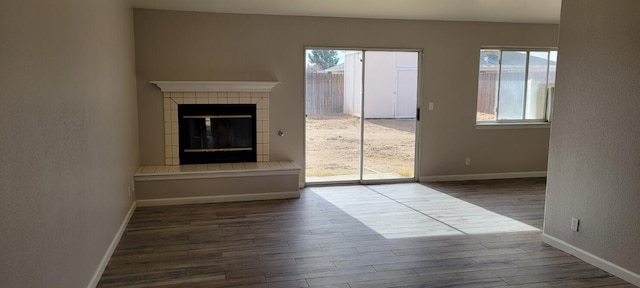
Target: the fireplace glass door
pixel 217 133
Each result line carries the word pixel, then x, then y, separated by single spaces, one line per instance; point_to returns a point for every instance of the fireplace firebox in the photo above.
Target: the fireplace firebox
pixel 217 133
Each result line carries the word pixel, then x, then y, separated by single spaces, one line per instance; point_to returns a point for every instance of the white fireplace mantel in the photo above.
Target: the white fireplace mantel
pixel 215 86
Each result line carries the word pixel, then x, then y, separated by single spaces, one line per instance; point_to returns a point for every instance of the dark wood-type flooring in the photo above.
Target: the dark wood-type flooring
pixel 457 234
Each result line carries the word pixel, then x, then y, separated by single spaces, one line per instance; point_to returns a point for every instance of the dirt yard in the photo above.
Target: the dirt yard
pixel 333 146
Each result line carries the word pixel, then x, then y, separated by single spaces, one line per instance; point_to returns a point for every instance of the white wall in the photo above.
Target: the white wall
pixel 68 137
pixel 594 161
pixel 353 83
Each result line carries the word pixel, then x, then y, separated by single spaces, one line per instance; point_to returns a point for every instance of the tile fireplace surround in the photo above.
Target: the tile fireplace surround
pixel 173 184
pixel 214 92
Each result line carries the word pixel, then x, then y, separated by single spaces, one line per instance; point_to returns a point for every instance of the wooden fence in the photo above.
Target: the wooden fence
pixel 324 94
pixel 487 92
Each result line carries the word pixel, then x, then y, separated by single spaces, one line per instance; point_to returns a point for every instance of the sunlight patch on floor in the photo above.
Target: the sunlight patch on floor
pixel 413 210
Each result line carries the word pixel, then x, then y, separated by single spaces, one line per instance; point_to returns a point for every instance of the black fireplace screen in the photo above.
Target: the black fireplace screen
pixel 217 133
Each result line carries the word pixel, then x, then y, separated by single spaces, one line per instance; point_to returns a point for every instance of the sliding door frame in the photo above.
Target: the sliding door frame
pixel 418 129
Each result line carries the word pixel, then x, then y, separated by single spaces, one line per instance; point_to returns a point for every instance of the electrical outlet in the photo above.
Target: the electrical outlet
pixel 467 161
pixel 575 222
pixel 430 106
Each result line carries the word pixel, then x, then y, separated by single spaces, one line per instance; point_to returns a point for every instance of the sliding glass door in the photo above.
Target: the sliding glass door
pixel 360 115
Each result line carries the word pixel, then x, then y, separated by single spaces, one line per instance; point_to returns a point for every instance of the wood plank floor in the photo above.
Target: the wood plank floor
pixel 457 234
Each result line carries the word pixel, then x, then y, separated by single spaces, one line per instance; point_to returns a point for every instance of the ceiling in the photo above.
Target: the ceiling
pixel 514 11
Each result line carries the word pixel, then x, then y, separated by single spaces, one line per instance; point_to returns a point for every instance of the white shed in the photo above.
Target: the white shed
pixel 391 84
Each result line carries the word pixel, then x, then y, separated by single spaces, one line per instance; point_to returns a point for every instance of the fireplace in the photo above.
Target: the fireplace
pixel 229 93
pixel 217 133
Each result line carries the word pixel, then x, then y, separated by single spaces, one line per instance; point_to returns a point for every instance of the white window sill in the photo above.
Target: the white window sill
pixel 496 125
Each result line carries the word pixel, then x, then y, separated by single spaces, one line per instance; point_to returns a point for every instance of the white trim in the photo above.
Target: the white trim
pixel 112 247
pixel 215 86
pixel 218 199
pixel 214 174
pixel 518 125
pixel 461 177
pixel 594 260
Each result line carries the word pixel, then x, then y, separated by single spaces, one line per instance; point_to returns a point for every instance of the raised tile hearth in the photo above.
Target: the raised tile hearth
pixel 210 183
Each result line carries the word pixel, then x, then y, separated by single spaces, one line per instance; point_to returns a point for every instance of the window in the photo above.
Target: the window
pixel 515 85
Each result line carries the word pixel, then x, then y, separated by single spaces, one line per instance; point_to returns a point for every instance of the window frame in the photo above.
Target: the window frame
pixel 517 123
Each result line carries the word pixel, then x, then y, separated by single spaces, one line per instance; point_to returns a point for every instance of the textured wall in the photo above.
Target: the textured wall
pixel 209 46
pixel 594 156
pixel 68 137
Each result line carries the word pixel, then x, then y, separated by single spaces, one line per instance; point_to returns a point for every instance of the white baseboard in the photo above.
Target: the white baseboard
pixel 112 247
pixel 594 260
pixel 218 199
pixel 462 177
